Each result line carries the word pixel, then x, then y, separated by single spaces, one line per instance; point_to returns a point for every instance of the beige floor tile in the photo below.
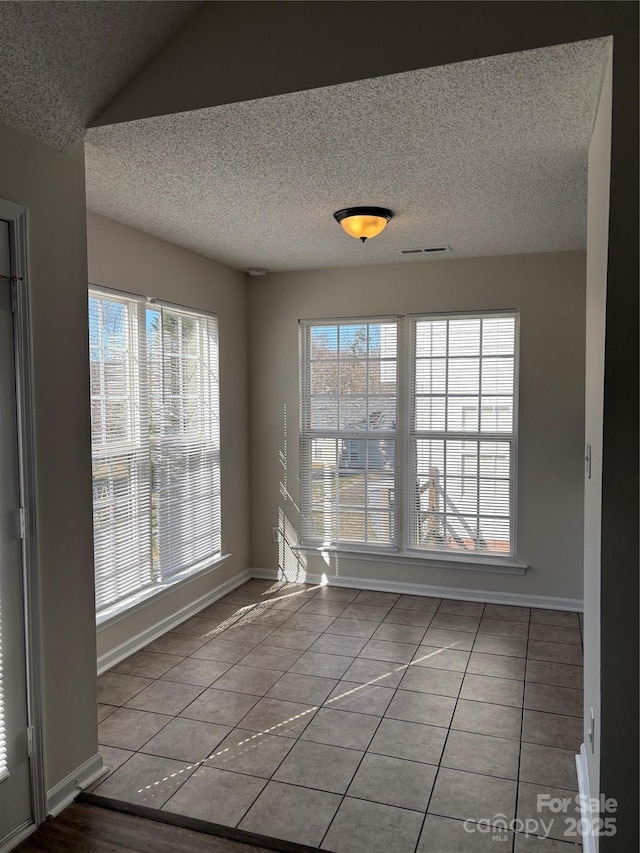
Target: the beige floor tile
pixel 552 730
pixel 555 700
pixel 302 688
pixel 365 827
pixel 492 645
pixel 292 813
pixel 271 657
pixel 353 627
pixel 455 623
pixel 320 766
pixel 444 638
pixel 129 729
pixel 145 780
pixel 486 719
pixel 504 628
pixel 491 756
pixel 411 786
pixel 223 707
pixel 486 688
pixel 399 633
pixel 223 651
pixel 196 671
pixel 279 717
pixel 435 658
pixel 147 664
pixel 426 680
pixel 557 652
pixel 366 612
pixel 165 697
pixel 392 652
pixel 510 612
pixel 290 638
pixel 253 753
pixel 560 674
pixel 216 795
pixel 414 707
pixel 361 698
pixel 555 634
pixel 116 689
pixel 558 825
pixel 461 608
pixel 341 728
pixel 469 796
pixel 248 679
pixel 378 672
pixel 561 618
pixel 499 666
pixel 411 618
pixel 324 665
pixel 446 835
pixel 338 644
pixel 412 741
pixel 548 765
pixel 186 740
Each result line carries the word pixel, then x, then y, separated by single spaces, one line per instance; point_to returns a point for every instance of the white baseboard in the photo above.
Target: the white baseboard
pixel 139 641
pixel 546 602
pixel 65 792
pixel 589 838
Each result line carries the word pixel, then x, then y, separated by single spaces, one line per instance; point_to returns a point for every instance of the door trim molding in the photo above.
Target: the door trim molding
pixel 17 217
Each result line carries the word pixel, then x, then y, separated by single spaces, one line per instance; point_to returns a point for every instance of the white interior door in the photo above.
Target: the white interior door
pixel 15 781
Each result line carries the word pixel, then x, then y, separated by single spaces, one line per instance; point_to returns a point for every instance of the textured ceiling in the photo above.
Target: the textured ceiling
pixel 487 156
pixel 61 62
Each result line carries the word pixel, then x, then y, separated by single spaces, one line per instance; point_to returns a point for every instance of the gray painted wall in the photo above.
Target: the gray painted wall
pixel 126 259
pixel 51 186
pixel 549 291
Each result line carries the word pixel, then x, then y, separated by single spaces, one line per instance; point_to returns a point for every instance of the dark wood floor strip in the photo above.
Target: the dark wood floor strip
pixel 87 828
pixel 256 842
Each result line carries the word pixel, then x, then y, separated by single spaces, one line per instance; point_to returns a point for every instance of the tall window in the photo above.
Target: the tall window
pixel 425 464
pixel 349 432
pixel 155 443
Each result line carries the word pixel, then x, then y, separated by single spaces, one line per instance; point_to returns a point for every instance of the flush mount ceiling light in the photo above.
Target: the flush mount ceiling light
pixel 363 222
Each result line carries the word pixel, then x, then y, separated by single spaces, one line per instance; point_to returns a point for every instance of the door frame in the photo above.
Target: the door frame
pixel 17 217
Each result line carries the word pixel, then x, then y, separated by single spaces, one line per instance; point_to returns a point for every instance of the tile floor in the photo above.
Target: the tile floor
pixel 351 721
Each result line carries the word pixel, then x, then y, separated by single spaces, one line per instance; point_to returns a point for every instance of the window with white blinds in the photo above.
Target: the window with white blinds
pixel 155 442
pixel 462 433
pixel 426 464
pixel 349 431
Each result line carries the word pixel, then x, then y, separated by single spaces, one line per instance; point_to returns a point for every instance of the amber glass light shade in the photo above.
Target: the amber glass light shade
pixel 363 222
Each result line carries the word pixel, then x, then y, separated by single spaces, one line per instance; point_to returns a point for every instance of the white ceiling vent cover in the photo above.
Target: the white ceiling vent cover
pixel 429 250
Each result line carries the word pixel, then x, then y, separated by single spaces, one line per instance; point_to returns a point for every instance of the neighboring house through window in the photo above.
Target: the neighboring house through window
pixel 416 466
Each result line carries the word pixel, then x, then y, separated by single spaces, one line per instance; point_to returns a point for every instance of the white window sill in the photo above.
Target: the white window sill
pixel 110 615
pixel 431 560
pixel 4 775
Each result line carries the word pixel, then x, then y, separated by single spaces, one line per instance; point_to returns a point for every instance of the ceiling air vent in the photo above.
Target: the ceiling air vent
pixel 429 250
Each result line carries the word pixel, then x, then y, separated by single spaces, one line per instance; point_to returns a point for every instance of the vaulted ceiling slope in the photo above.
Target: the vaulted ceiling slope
pixel 487 156
pixel 62 62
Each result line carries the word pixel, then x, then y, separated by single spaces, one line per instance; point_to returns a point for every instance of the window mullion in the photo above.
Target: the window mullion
pixel 404 379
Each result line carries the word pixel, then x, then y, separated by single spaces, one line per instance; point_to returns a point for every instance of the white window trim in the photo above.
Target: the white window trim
pixel 440 561
pixel 138 601
pixel 403 554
